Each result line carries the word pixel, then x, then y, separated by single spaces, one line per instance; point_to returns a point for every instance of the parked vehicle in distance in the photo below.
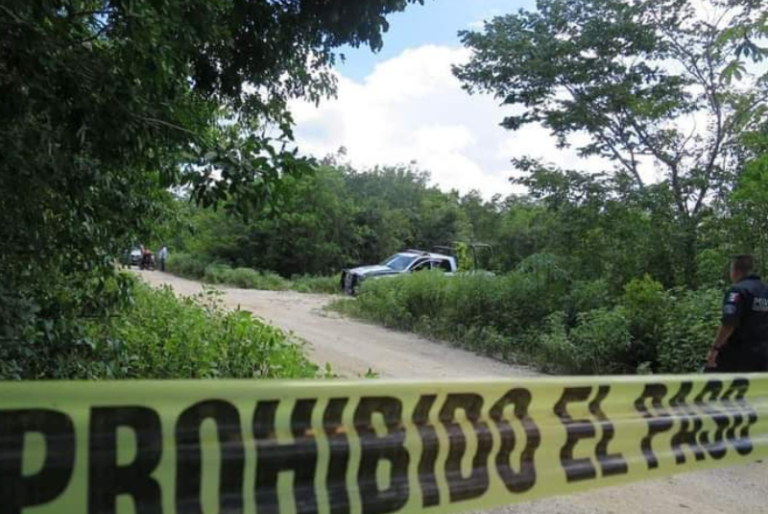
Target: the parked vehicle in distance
pixel 135 257
pixel 409 261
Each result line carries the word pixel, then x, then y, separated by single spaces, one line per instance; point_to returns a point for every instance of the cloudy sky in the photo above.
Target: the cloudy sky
pixel 404 104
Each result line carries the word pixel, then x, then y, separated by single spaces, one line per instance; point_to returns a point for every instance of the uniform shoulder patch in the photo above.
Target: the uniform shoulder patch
pixel 760 305
pixel 734 297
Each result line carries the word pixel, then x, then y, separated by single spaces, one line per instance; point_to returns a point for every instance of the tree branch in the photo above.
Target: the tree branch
pixel 631 164
pixel 13 15
pixel 156 121
pixel 672 164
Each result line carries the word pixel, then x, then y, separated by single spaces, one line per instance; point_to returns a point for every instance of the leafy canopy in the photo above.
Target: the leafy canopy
pixel 105 105
pixel 661 82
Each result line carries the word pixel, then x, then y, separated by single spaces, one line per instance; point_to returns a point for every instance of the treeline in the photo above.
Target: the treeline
pixel 331 218
pixel 596 227
pixel 623 82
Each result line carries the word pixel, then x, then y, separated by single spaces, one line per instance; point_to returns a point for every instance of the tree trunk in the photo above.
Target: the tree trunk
pixel 689 250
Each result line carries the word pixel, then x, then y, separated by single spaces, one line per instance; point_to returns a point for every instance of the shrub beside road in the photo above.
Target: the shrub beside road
pixel 543 319
pixel 189 266
pixel 157 335
pixel 537 315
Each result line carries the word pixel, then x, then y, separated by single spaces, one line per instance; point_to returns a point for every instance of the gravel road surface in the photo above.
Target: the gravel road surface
pixel 352 348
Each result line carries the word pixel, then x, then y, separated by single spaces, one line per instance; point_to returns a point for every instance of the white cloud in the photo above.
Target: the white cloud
pixel 412 108
pixel 479 23
pixel 476 25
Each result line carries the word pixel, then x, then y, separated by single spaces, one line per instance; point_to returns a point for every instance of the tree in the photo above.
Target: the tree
pixel 108 104
pixel 333 218
pixel 312 233
pixel 748 202
pixel 482 216
pixel 649 81
pixel 606 229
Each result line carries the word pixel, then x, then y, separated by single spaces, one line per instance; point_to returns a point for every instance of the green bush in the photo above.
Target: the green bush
pixel 505 309
pixel 186 265
pixel 320 285
pixel 588 295
pixel 469 314
pixel 382 301
pixel 537 315
pixel 647 306
pixel 215 274
pixel 57 327
pixel 527 298
pixel 598 344
pixel 489 342
pixel 189 266
pixel 689 329
pixel 246 278
pixel 161 336
pixel 602 341
pixel 554 351
pixel 712 267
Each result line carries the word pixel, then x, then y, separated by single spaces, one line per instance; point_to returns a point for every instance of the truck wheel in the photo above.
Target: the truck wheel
pixel 350 285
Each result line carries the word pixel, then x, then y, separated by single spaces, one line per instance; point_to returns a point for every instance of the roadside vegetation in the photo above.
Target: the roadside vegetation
pixel 216 273
pixel 543 318
pixel 591 276
pixel 158 335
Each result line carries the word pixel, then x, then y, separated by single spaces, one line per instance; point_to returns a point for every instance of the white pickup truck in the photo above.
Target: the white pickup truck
pixel 409 261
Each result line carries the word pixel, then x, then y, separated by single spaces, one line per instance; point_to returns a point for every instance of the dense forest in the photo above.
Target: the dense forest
pixel 337 216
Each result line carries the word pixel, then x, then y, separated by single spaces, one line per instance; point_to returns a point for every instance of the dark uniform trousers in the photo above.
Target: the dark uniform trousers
pixel 745 308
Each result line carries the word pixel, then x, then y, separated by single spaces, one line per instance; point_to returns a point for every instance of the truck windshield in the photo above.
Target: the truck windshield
pixel 399 262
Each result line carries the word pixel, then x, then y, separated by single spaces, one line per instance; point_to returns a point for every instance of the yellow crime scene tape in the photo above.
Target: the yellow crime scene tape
pixel 363 447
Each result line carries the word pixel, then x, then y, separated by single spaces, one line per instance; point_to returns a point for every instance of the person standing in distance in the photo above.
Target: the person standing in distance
pixel 162 255
pixel 741 345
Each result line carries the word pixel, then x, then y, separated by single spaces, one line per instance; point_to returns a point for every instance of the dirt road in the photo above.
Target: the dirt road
pixel 352 348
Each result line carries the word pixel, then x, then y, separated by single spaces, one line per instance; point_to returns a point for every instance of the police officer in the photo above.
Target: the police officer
pixel 741 345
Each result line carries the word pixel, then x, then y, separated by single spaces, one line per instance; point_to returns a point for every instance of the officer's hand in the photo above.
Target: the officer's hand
pixel 712 358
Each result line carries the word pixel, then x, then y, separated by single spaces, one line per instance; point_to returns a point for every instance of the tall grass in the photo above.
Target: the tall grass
pixel 312 284
pixel 245 278
pixel 542 318
pixel 188 266
pixel 162 336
